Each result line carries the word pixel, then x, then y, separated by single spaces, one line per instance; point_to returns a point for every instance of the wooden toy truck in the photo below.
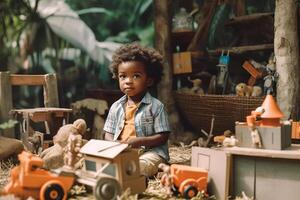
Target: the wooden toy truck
pixel 29 179
pixel 187 180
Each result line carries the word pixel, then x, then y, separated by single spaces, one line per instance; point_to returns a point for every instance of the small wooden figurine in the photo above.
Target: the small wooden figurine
pixel 74 143
pixel 166 179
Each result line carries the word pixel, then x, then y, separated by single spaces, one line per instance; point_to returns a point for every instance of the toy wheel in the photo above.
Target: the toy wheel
pixel 175 190
pixel 189 192
pixel 107 188
pixel 52 190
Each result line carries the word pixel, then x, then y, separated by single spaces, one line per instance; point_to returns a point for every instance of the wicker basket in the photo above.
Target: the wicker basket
pixel 199 109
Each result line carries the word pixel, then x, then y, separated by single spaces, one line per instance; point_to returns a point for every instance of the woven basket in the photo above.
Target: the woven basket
pixel 199 109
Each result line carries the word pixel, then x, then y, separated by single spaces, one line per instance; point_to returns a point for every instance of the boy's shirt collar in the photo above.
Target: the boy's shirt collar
pixel 145 100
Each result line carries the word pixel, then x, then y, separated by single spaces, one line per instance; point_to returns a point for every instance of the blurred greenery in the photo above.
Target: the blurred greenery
pixel 25 34
pixel 118 21
pixel 9 124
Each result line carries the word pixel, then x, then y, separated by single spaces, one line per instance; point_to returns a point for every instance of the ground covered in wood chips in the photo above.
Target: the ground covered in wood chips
pixel 178 154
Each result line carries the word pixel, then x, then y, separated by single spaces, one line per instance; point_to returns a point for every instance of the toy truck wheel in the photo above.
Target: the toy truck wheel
pixel 189 192
pixel 186 188
pixel 107 189
pixel 52 190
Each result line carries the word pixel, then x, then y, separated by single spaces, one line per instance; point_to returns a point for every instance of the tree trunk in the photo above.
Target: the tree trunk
pixel 286 51
pixel 162 23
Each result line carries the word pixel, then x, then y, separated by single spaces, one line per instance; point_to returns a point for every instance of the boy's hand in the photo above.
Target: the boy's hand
pixel 135 142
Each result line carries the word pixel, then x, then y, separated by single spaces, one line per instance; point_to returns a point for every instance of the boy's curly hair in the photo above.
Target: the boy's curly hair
pixel 135 52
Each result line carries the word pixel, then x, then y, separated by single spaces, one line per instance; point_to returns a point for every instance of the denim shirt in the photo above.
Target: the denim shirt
pixel 150 119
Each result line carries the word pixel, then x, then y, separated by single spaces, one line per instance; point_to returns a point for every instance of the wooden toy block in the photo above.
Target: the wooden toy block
pixel 252 70
pixel 295 130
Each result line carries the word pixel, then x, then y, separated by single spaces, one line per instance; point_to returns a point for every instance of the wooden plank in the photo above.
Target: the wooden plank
pixel 218 165
pixel 243 176
pixel 21 79
pixel 242 49
pixel 292 152
pixel 5 101
pixel 277 179
pixel 248 18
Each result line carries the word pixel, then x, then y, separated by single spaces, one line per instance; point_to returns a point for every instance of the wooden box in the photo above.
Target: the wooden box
pixel 276 138
pixel 182 62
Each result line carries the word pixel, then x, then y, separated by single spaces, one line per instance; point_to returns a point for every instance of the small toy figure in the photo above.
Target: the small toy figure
pixel 242 89
pixel 271 78
pixel 166 179
pixel 230 141
pixel 196 89
pixel 255 137
pixel 72 155
pixel 253 120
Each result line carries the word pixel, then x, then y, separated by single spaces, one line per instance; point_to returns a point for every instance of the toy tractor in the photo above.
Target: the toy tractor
pixel 188 181
pixel 30 179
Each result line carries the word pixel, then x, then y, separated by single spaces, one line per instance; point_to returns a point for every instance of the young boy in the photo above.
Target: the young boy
pixel 138 118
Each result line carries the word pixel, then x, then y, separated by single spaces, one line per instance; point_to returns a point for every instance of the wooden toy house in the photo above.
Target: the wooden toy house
pixel 273 133
pixel 114 159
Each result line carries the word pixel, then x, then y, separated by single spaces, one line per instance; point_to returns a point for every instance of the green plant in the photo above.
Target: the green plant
pixel 9 124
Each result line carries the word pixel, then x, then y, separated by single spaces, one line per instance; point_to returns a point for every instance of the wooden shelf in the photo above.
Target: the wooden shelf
pixel 245 19
pixel 242 49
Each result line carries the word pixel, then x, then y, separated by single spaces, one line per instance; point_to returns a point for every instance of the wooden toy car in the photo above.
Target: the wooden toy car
pixel 29 179
pixel 187 180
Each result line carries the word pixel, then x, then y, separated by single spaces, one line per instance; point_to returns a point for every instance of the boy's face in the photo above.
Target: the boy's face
pixel 133 79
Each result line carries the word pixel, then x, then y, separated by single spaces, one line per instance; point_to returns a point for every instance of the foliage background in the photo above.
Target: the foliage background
pixel 25 34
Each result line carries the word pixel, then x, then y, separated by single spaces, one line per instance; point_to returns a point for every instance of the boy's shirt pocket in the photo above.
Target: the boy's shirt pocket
pixel 147 124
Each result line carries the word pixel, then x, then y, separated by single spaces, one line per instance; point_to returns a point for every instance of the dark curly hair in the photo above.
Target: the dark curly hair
pixel 135 52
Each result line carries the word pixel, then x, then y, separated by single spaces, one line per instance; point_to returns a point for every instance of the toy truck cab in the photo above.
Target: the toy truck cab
pixel 188 180
pixel 29 179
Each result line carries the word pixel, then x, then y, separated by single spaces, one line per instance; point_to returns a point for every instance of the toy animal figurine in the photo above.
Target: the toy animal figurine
pixel 256 91
pixel 196 89
pixel 242 89
pixel 220 138
pixel 72 155
pixel 53 156
pixel 230 141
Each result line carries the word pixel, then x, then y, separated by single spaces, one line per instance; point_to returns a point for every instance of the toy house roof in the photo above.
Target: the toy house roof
pixel 103 148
